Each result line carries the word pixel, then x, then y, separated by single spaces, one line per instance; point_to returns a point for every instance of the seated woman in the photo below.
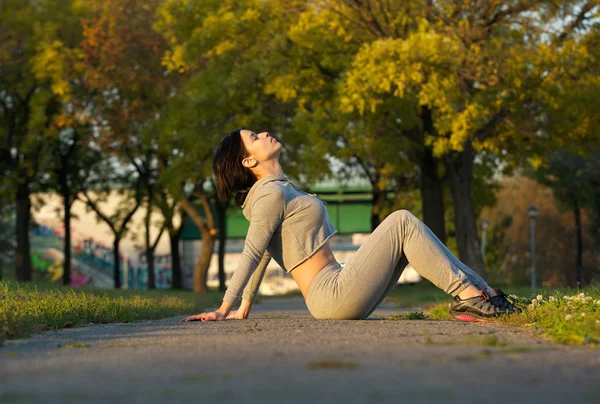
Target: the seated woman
pixel 293 228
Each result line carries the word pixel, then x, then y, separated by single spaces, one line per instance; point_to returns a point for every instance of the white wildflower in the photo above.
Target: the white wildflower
pixel 552 299
pixel 598 302
pixel 539 297
pixel 582 314
pixel 589 299
pixel 568 317
pixel 582 295
pixel 534 302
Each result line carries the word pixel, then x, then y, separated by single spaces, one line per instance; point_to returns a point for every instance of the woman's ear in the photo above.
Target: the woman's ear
pixel 249 162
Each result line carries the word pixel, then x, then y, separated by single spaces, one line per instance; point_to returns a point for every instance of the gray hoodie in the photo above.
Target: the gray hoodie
pixel 286 223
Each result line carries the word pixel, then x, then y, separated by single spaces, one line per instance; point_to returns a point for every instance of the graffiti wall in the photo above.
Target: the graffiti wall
pixel 92 261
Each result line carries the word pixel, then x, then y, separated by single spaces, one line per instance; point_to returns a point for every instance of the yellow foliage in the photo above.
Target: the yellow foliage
pixel 282 88
pixel 50 64
pixel 250 15
pixel 175 60
pixel 222 48
pixel 441 146
pixel 536 162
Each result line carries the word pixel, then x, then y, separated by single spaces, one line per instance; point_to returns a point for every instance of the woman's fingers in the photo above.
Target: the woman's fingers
pixel 198 317
pixel 210 316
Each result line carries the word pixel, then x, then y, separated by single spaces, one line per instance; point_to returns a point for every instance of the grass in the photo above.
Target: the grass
pixel 414 315
pixel 486 340
pixel 332 364
pixel 567 319
pixel 574 319
pixel 29 308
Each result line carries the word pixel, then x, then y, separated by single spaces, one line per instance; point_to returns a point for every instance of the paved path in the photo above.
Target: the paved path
pixel 283 355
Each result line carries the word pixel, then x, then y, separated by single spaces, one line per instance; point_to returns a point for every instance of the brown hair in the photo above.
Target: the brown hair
pixel 230 175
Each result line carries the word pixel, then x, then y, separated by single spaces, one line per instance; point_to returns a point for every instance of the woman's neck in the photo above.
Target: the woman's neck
pixel 268 170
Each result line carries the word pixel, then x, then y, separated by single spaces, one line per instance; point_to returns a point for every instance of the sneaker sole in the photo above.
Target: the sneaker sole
pixel 466 317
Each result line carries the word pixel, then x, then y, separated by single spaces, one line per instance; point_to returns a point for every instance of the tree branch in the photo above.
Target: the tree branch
pixel 162 229
pixel 365 168
pixel 581 17
pixel 101 215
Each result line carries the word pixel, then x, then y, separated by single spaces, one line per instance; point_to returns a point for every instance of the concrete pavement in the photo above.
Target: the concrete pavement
pixel 280 354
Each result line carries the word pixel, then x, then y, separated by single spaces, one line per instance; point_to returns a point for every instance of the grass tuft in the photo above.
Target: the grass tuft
pixel 413 315
pixel 74 345
pixel 332 364
pixel 27 310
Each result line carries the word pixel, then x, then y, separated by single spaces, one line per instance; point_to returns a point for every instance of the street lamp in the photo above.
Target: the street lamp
pixel 484 225
pixel 532 213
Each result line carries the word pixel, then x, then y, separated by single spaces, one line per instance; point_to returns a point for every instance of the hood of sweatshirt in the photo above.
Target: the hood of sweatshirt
pixel 254 190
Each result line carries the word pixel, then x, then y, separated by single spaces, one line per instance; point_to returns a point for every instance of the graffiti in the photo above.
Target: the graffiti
pixel 93 262
pixel 49 264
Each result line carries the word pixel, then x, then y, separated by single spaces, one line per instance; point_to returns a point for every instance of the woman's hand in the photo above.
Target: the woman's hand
pixel 236 315
pixel 209 316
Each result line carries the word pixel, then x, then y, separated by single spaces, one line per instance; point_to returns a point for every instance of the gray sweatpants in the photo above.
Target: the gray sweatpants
pixel 353 292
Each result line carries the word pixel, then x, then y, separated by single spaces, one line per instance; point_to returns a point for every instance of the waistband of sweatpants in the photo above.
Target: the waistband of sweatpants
pixel 323 273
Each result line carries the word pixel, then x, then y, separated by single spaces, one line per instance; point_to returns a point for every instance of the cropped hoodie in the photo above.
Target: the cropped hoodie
pixel 286 224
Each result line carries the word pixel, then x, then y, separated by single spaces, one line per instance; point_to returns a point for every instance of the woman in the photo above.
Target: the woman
pixel 293 227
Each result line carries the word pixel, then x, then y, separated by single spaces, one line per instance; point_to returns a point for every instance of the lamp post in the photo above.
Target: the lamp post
pixel 484 226
pixel 532 213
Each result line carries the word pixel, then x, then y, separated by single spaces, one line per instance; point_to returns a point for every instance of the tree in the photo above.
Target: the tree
pixel 473 66
pixel 306 71
pixel 122 59
pixel 71 167
pixel 215 45
pixel 170 211
pixel 38 41
pixel 565 174
pixel 117 221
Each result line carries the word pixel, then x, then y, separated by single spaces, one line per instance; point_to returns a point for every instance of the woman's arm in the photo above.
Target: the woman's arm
pixel 267 215
pixel 251 290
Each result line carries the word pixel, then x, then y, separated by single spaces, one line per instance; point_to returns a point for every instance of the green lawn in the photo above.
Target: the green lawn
pixel 29 308
pixel 562 314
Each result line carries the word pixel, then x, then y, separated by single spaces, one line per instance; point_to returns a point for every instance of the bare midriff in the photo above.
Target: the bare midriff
pixel 304 273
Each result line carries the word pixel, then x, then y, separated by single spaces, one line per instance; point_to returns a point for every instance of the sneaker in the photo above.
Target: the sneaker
pixel 480 308
pixel 507 301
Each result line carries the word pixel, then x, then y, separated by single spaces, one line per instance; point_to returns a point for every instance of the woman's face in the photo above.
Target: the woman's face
pixel 261 146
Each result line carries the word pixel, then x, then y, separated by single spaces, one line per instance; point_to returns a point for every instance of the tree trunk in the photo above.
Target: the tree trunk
pixel 432 195
pixel 378 202
pixel 67 245
pixel 116 265
pixel 221 211
pixel 23 254
pixel 66 194
pixel 432 192
pixel 208 232
pixel 596 211
pixel 460 174
pixel 201 267
pixel 579 241
pixel 149 251
pixel 175 260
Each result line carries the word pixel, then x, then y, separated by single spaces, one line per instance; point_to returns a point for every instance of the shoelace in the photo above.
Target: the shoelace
pixel 507 301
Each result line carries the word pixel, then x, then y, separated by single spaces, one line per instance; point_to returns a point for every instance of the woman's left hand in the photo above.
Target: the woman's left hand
pixel 209 316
